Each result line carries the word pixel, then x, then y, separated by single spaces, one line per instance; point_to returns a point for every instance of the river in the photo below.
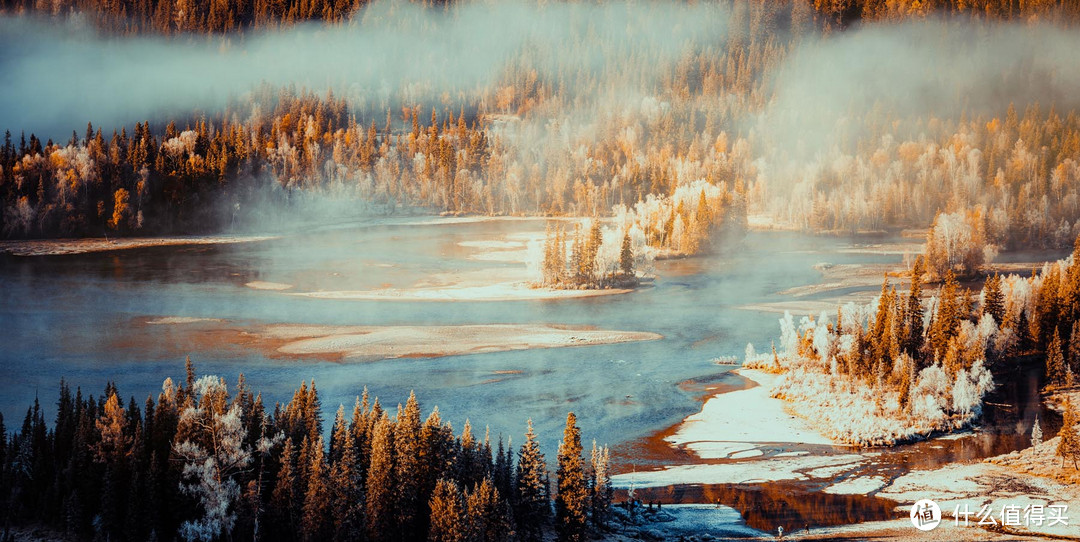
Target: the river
pixel 83 318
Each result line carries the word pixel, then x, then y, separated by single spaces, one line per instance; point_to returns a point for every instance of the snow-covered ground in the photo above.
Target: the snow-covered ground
pixel 973 486
pixel 737 434
pixel 733 422
pixel 733 427
pixel 743 472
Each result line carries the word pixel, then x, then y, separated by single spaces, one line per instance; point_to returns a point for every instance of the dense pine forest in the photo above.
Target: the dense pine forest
pixel 203 462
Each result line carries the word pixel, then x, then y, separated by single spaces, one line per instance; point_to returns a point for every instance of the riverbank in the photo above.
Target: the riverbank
pixel 744 438
pixel 59 247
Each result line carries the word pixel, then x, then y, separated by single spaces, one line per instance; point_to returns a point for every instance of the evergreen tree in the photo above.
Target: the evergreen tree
pixel 994 299
pixel 626 256
pixel 380 483
pixel 531 509
pixel 1055 362
pixel 407 457
pixel 317 497
pixel 486 515
pixel 1069 443
pixel 447 513
pixel 1036 432
pixel 284 497
pixel 572 499
pixel 602 491
pixel 914 313
pixel 346 497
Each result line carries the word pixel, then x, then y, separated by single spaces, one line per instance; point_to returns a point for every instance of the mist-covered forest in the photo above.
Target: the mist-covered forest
pixel 668 128
pixel 836 116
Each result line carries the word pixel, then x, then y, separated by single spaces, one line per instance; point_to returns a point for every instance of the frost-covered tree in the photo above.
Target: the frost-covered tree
pixel 601 491
pixel 531 506
pixel 957 242
pixel 1036 432
pixel 212 458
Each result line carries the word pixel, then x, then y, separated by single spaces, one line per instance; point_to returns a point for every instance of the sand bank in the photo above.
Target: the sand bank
pixel 506 291
pixel 56 247
pixel 264 285
pixel 372 343
pixel 388 342
pixel 173 320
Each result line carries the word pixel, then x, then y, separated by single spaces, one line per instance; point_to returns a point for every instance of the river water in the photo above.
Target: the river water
pixel 82 318
pixel 78 317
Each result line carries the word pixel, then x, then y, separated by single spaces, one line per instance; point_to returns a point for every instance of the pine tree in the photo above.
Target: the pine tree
pixel 626 256
pixel 380 482
pixel 531 508
pixel 447 513
pixel 346 498
pixel 1036 432
pixel 914 326
pixel 602 491
pixel 1055 362
pixel 947 316
pixel 572 499
pixel 317 497
pixel 1069 443
pixel 994 299
pixel 283 499
pixel 486 516
pixel 407 455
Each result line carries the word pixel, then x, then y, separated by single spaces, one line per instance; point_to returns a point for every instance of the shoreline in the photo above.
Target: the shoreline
pixel 703 455
pixel 86 245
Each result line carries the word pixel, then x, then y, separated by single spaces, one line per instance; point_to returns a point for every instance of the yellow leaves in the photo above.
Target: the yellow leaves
pixel 121 209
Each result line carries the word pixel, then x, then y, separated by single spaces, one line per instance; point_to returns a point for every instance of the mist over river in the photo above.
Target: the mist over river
pixel 84 318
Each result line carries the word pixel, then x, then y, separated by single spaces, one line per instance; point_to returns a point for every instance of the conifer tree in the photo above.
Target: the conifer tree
pixel 502 476
pixel 994 299
pixel 346 497
pixel 380 482
pixel 1036 432
pixel 407 456
pixel 1069 442
pixel 626 256
pixel 602 491
pixel 914 313
pixel 447 513
pixel 1055 362
pixel 317 497
pixel 283 499
pixel 486 515
pixel 531 509
pixel 572 498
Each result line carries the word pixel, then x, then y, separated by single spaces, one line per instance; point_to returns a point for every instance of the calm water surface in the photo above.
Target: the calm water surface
pixel 79 317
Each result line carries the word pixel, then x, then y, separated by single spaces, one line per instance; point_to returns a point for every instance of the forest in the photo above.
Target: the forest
pixel 901 369
pixel 550 135
pixel 201 462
